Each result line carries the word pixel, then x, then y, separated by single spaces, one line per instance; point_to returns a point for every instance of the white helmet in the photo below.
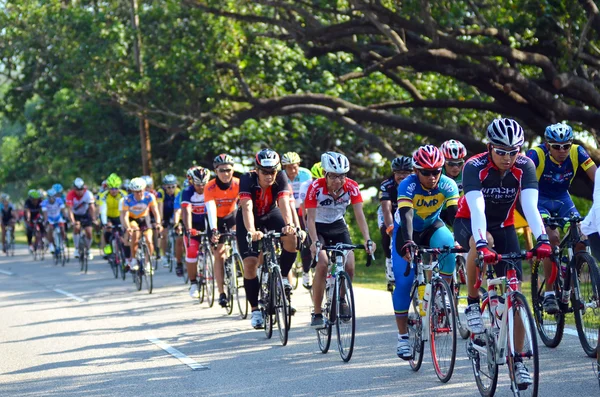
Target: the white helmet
pixel 78 183
pixel 505 132
pixel 137 184
pixel 148 180
pixel 335 162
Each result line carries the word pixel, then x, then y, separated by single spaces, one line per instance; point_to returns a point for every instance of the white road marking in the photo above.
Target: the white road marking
pixel 70 295
pixel 7 272
pixel 177 354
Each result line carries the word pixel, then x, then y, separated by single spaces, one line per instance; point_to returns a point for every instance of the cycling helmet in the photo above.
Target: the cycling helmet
pixel 186 184
pixel 113 181
pixel 78 183
pixel 559 132
pixel 190 174
pixel 125 184
pixel 57 188
pixel 505 132
pixel 104 185
pixel 34 194
pixel 4 197
pixel 222 159
pixel 402 163
pixel 51 193
pixel 290 158
pixel 335 162
pixel 453 150
pixel 317 170
pixel 148 180
pixel 169 179
pixel 428 157
pixel 137 184
pixel 200 176
pixel 267 159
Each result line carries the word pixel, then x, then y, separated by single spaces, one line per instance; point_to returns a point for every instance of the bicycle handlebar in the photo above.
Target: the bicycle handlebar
pixel 527 255
pixel 345 247
pixel 556 220
pixel 426 250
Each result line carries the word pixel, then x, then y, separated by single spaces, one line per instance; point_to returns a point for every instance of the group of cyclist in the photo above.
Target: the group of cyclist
pixel 428 194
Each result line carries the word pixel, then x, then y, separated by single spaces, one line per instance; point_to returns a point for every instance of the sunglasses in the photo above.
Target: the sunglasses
pixel 114 188
pixel 455 163
pixel 224 170
pixel 169 187
pixel 502 152
pixel 339 177
pixel 558 146
pixel 79 190
pixel 268 172
pixel 435 172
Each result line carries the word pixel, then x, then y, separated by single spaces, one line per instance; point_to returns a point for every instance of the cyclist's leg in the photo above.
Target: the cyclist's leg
pixel 50 235
pixel 320 278
pixel 443 237
pixel 305 254
pixel 249 254
pixel 548 208
pixel 4 226
pixel 149 240
pixel 274 221
pixel 133 237
pixel 223 224
pixel 193 245
pixel 29 232
pixel 594 240
pixel 401 294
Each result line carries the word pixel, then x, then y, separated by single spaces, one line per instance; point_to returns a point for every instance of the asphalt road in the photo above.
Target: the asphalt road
pixel 105 340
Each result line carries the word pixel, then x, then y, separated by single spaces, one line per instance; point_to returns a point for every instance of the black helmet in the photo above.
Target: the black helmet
pixel 222 159
pixel 267 159
pixel 402 163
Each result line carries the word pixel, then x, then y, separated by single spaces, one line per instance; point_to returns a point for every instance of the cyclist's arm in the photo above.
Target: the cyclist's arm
pixel 92 211
pixel 386 208
pixel 311 216
pixel 187 216
pixel 157 215
pixel 591 172
pixel 476 203
pixel 211 212
pixel 103 210
pixel 176 216
pixel 361 220
pixel 284 203
pixel 406 222
pixel 294 214
pixel 125 219
pixel 247 215
pixel 451 214
pixel 529 199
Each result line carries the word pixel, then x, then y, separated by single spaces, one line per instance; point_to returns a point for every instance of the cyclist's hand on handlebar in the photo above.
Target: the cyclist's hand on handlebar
pixel 193 232
pixel 390 230
pixel 370 247
pixel 487 254
pixel 408 250
pixel 256 235
pixel 302 235
pixel 542 249
pixel 214 238
pixel 313 249
pixel 288 230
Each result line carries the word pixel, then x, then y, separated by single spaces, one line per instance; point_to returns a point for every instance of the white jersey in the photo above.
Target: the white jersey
pixel 302 192
pixel 591 223
pixel 303 176
pixel 53 210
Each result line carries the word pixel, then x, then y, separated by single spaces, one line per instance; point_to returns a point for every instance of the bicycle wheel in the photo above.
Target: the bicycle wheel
pixel 230 283
pixel 586 307
pixel 442 330
pixel 324 334
pixel 459 288
pixel 549 326
pixel 148 270
pixel 482 352
pixel 209 278
pixel 170 254
pixel 415 329
pixel 137 277
pixel 522 323
pixel 345 315
pixel 201 280
pixel 186 277
pixel 265 303
pixel 240 291
pixel 280 306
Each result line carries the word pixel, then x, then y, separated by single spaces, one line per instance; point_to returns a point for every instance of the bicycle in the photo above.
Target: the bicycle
pixel 576 280
pixel 59 246
pixel 10 241
pixel 38 242
pixel 83 250
pixel 433 316
pixel 117 258
pixel 205 270
pixel 170 252
pixel 339 307
pixel 459 289
pixel 272 302
pixel 234 276
pixel 498 344
pixel 142 273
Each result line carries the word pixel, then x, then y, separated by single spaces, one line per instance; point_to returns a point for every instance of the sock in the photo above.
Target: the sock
pixel 471 301
pixel 287 260
pixel 252 287
pixel 548 293
pixel 402 336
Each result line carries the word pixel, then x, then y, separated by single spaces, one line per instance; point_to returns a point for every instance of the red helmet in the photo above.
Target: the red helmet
pixel 453 150
pixel 428 157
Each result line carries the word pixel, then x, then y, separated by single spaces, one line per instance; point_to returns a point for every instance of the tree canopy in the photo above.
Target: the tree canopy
pixel 370 78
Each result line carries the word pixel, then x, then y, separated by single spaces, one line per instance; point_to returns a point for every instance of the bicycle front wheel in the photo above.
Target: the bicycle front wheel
pixel 148 270
pixel 415 329
pixel 324 334
pixel 549 326
pixel 265 302
pixel 280 306
pixel 209 278
pixel 240 291
pixel 346 315
pixel 525 350
pixel 459 287
pixel 442 330
pixel 586 304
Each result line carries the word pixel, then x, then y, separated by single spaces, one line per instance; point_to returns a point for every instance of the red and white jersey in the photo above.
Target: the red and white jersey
pixel 329 209
pixel 79 205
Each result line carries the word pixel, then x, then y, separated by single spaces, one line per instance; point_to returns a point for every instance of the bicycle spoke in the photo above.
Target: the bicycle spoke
pixel 346 316
pixel 586 304
pixel 442 330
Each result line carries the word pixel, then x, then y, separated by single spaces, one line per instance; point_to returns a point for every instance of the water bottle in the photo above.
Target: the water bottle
pixel 564 261
pixel 426 298
pixel 493 302
pixel 330 285
pixel 421 291
pixel 339 263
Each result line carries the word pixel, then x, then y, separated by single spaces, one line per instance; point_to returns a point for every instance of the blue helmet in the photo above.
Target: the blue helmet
pixel 559 132
pixel 57 188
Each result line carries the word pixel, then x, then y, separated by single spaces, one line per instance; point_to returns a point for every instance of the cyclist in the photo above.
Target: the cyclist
pixel 591 224
pixel 402 167
pixel 326 202
pixel 194 221
pixel 52 210
pixel 135 210
pixel 109 208
pixel 179 248
pixel 557 160
pixel 493 181
pixel 150 189
pixel 81 204
pixel 165 196
pixel 33 209
pixel 58 188
pixel 455 154
pixel 264 202
pixel 9 217
pixel 220 196
pixel 421 197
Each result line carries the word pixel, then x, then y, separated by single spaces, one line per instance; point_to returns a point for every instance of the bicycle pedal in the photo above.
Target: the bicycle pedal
pixel 390 287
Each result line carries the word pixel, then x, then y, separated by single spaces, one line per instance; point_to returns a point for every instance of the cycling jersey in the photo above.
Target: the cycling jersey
pixel 112 202
pixel 167 200
pixel 80 205
pixel 458 180
pixel 225 199
pixel 500 190
pixel 388 191
pixel 303 190
pixel 34 209
pixel 194 200
pixel 555 178
pixel 263 201
pixel 7 212
pixel 303 176
pixel 330 210
pixel 53 210
pixel 138 209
